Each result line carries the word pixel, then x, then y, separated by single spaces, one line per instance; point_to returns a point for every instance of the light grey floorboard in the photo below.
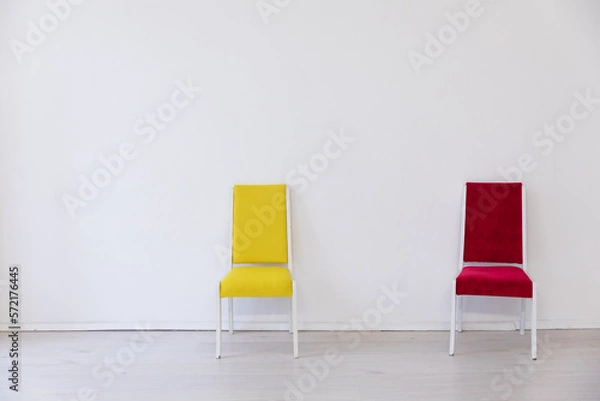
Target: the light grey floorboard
pixel 370 366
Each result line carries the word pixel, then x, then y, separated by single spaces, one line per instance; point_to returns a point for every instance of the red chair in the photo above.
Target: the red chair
pixel 493 251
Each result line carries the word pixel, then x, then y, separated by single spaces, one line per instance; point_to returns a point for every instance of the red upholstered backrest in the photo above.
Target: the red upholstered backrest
pixel 493 223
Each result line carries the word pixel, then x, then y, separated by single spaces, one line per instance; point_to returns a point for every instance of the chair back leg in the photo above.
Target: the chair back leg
pixel 522 324
pixel 219 322
pixel 230 315
pixel 461 305
pixel 291 315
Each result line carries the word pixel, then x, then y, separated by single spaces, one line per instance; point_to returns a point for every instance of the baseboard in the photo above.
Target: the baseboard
pixel 304 326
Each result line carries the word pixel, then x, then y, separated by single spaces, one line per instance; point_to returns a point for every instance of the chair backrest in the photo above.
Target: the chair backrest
pixel 493 226
pixel 260 224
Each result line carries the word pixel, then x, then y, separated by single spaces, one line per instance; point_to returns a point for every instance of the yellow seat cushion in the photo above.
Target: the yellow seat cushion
pixel 257 281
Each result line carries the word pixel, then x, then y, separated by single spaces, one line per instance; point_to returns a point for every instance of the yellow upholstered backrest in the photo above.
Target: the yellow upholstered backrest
pixel 259 224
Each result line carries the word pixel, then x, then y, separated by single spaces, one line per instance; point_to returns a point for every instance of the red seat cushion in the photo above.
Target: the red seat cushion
pixel 494 281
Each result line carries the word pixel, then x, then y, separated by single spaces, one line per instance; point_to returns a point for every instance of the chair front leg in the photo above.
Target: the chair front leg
pixel 453 318
pixel 534 324
pixel 295 318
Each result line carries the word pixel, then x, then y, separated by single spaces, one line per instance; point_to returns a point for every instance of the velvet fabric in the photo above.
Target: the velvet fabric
pixel 257 281
pixel 493 223
pixel 494 281
pixel 259 224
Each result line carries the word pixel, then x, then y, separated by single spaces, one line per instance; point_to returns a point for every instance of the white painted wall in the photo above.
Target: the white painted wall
pixel 386 210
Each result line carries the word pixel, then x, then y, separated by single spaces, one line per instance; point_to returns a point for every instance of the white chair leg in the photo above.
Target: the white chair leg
pixel 295 319
pixel 522 324
pixel 534 325
pixel 219 322
pixel 453 319
pixel 230 315
pixel 291 315
pixel 461 301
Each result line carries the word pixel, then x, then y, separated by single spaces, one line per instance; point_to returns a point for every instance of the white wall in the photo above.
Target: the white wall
pixel 384 211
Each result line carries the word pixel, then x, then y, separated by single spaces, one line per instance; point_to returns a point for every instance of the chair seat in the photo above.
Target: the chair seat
pixel 494 281
pixel 257 281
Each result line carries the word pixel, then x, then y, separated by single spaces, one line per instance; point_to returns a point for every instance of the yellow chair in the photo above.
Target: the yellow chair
pixel 261 251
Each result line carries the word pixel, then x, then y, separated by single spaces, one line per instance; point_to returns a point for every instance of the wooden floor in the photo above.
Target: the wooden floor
pixel 372 366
